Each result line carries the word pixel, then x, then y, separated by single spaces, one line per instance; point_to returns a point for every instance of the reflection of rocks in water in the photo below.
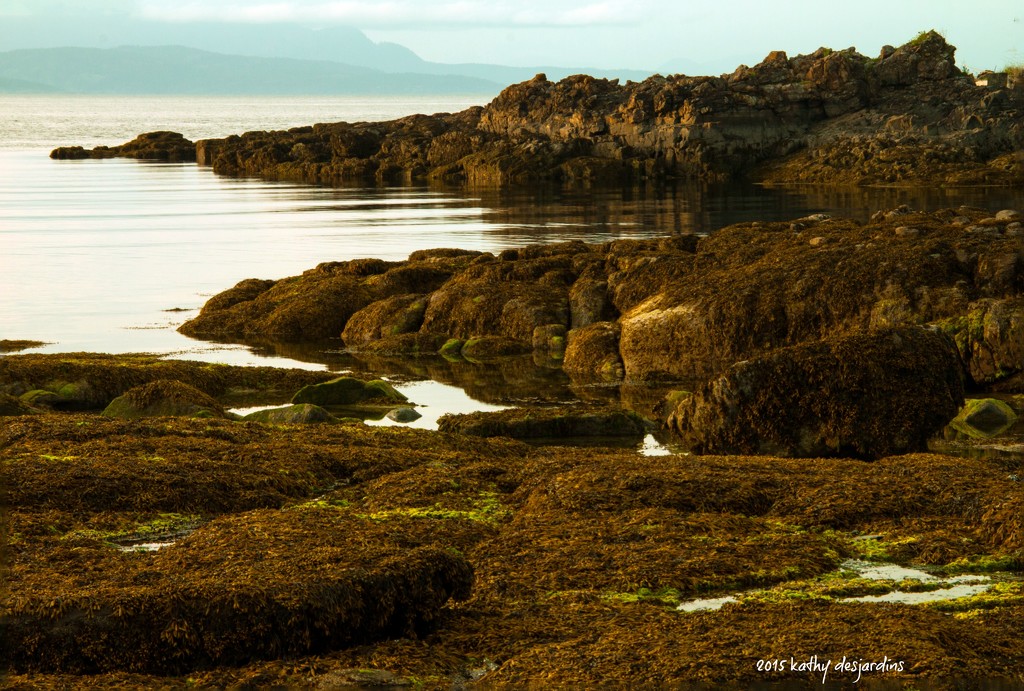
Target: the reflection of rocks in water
pixel 498 381
pixel 1004 443
pixel 501 381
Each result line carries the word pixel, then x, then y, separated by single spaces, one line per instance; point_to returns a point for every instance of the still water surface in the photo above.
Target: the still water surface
pixel 113 255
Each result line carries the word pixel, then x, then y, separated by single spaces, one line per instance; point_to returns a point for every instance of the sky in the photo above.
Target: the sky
pixel 655 35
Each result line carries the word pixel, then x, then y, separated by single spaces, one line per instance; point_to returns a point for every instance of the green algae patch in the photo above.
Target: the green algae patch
pixel 1005 594
pixel 452 349
pixel 486 507
pixel 164 526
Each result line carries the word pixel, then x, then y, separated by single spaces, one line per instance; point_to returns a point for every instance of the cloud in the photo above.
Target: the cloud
pixel 402 13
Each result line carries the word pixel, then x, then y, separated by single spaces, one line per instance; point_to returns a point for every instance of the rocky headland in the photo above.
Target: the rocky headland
pixel 908 116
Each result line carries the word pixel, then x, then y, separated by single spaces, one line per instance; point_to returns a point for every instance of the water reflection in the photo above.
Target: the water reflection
pixel 97 253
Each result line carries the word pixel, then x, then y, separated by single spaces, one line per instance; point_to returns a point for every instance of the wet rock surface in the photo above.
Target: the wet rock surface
pixel 909 115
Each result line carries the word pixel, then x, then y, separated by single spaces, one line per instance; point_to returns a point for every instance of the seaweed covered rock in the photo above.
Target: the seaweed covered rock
pixel 394 316
pixel 251 586
pixel 347 391
pixel 163 397
pixel 299 414
pixel 550 423
pixel 864 396
pixel 674 309
pixel 313 308
pixel 755 287
pixel 592 353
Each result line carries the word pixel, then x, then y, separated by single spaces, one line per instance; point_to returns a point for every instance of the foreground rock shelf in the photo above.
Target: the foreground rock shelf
pixel 318 556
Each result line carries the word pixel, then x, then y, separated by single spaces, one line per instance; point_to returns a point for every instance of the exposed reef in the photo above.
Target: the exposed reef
pixel 909 116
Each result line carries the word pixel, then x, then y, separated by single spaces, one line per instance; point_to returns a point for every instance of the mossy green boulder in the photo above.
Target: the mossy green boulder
pixel 302 413
pixel 984 418
pixel 347 391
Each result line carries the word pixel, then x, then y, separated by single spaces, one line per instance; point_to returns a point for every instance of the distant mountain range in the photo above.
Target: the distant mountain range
pixel 237 59
pixel 178 70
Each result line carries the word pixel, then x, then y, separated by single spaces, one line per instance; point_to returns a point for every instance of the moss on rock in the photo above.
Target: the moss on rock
pixel 347 391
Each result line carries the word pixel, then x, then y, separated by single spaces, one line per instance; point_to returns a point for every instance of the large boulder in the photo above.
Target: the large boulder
pixel 299 414
pixel 347 391
pixel 863 396
pixel 163 397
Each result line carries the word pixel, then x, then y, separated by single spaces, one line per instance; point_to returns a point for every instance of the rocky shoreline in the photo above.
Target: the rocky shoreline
pixel 909 116
pixel 812 363
pixel 813 368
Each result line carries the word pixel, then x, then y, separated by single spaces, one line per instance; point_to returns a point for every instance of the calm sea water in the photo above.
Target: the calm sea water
pixel 113 255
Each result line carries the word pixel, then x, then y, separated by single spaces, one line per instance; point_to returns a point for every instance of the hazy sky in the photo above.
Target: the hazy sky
pixel 641 34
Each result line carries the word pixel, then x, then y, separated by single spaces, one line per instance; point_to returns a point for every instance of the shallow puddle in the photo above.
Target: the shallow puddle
pixel 706 604
pixel 966 585
pixel 145 546
pixel 940 595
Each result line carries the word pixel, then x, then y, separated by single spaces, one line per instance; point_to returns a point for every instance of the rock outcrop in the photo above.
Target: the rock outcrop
pixel 908 116
pixel 157 146
pixel 675 309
